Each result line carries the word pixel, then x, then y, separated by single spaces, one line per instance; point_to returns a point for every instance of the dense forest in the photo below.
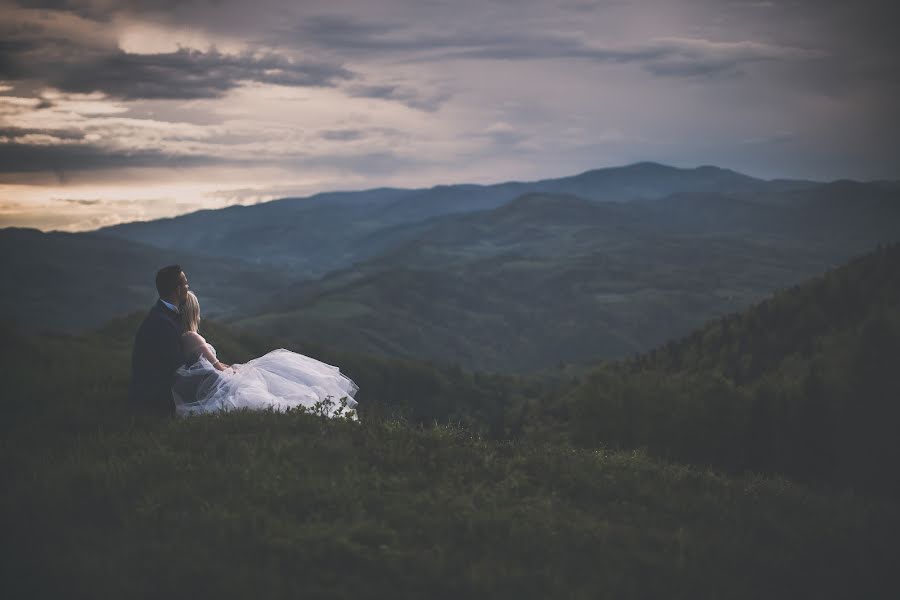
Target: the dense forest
pixel 805 383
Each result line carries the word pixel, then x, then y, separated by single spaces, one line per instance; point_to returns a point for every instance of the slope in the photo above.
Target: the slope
pixel 549 278
pixel 99 504
pixel 805 383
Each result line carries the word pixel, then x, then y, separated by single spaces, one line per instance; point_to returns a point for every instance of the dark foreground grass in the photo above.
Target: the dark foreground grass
pixel 266 505
pixel 98 504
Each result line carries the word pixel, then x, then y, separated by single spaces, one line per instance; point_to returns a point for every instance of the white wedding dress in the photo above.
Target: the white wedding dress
pixel 279 380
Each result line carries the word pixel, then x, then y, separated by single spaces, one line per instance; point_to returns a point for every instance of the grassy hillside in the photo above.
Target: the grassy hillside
pixel 418 392
pixel 99 504
pixel 805 383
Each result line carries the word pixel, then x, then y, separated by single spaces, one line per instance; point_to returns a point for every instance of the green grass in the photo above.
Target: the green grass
pixel 275 505
pixel 99 504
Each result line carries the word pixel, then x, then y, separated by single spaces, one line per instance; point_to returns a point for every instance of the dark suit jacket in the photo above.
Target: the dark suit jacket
pixel 157 354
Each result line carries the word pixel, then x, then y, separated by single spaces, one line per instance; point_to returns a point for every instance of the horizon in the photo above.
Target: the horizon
pixel 648 163
pixel 115 112
pixel 427 187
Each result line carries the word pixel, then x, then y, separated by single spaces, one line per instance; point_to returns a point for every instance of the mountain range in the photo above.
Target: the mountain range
pixel 511 277
pixel 332 230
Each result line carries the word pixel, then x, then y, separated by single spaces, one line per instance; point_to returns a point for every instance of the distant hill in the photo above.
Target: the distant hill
pixel 526 281
pixel 550 278
pixel 315 235
pixel 70 282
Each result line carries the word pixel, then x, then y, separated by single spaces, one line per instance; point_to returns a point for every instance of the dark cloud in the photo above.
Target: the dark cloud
pixel 62 161
pixel 353 134
pixel 189 74
pixel 665 57
pixel 64 158
pixel 12 133
pixel 343 135
pixel 344 31
pixel 507 138
pixel 32 51
pixel 403 94
pixel 857 42
pixel 104 10
pixel 708 65
pixel 183 74
pixel 502 134
pixel 584 6
pixel 863 32
pixel 349 34
pixel 80 201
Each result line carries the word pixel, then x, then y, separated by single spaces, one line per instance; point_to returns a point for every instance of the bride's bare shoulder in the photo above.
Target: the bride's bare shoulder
pixel 192 335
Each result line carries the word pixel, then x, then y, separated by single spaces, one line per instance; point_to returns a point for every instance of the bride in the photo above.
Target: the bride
pixel 279 380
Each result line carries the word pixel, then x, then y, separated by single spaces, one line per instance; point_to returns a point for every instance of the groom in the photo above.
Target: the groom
pixel 157 346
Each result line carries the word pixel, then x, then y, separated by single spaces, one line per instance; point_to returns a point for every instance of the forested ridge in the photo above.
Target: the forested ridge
pixel 805 383
pixel 511 288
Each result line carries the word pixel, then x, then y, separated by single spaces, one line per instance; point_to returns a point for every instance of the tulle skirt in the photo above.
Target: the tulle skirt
pixel 279 380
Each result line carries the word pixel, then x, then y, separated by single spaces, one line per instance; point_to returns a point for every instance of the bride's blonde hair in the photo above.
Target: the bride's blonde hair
pixel 190 313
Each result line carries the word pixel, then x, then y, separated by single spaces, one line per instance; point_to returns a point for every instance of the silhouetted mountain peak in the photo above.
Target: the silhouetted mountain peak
pixel 643 168
pixel 654 180
pixel 9 231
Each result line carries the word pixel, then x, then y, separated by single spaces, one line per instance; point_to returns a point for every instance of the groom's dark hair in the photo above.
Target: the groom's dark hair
pixel 167 280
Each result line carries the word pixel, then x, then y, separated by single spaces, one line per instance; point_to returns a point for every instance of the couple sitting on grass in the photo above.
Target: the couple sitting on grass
pixel 175 370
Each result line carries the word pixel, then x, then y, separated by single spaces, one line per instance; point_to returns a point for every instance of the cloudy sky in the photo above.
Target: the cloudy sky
pixel 116 110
